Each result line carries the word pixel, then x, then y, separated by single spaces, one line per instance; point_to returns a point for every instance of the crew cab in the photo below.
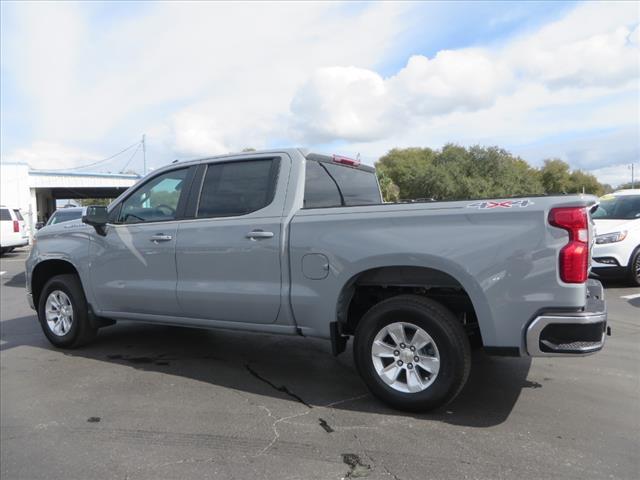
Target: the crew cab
pixel 295 243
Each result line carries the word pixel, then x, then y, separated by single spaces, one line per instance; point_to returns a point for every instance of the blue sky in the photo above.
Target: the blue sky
pixel 80 81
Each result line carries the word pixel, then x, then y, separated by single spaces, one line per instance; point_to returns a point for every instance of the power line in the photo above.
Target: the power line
pixel 131 158
pixel 94 163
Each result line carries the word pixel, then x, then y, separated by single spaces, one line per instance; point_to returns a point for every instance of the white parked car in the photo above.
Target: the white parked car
pixel 13 232
pixel 616 253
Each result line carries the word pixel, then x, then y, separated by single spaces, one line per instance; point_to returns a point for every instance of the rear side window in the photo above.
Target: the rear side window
pixel 18 215
pixel 237 188
pixel 320 190
pixel 4 214
pixel 329 185
pixel 358 187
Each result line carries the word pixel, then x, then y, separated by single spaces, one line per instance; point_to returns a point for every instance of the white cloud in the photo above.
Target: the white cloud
pixel 48 155
pixel 181 68
pixel 569 63
pixel 616 175
pixel 345 102
pixel 208 77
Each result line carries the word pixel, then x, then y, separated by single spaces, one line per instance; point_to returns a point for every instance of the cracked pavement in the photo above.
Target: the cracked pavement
pixel 147 402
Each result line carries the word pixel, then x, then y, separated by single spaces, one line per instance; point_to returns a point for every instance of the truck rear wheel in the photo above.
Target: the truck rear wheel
pixel 412 353
pixel 63 313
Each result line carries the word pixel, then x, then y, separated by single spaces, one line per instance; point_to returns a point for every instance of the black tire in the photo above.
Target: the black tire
pixel 81 331
pixel 445 330
pixel 634 268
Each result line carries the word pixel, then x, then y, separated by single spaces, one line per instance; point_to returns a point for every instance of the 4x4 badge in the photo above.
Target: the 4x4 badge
pixel 500 204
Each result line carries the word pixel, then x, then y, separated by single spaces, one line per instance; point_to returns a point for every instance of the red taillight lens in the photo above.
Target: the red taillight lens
pixel 574 257
pixel 345 161
pixel 16 226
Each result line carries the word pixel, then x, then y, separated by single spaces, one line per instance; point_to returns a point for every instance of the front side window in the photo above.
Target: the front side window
pixel 155 201
pixel 237 188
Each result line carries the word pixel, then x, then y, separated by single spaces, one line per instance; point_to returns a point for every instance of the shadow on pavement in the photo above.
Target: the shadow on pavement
pixel 16 281
pixel 293 368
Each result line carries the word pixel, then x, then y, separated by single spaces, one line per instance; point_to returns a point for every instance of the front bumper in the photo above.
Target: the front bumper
pixel 570 334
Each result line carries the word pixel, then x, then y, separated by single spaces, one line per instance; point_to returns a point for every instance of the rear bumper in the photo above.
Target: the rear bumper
pixel 15 242
pixel 570 334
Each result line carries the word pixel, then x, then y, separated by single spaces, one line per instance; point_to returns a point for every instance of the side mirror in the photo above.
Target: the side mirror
pixel 39 225
pixel 96 216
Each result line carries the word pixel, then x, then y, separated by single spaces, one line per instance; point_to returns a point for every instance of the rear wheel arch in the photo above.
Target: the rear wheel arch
pixel 384 282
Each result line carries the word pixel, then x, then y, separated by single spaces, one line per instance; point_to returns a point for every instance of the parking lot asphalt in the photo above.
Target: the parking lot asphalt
pixel 149 402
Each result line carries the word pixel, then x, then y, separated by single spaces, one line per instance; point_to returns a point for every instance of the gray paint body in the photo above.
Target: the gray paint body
pixel 212 275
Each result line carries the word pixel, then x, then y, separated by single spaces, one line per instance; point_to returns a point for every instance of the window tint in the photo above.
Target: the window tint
pixel 4 214
pixel 61 216
pixel 319 188
pixel 237 188
pixel 358 187
pixel 18 215
pixel 155 201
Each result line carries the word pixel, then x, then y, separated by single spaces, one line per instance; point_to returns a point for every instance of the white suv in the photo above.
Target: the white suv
pixel 13 232
pixel 616 253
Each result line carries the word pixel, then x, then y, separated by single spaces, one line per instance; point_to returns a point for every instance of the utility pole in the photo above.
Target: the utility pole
pixel 144 157
pixel 632 179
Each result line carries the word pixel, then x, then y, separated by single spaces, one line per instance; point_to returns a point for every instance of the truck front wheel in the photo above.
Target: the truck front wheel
pixel 412 353
pixel 63 313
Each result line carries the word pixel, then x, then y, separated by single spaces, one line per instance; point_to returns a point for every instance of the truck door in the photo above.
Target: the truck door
pixel 133 266
pixel 229 255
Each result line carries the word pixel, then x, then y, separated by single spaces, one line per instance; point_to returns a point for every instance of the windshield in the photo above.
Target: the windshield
pixel 64 216
pixel 624 207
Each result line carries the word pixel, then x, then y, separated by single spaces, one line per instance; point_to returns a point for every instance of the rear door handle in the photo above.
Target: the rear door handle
pixel 160 237
pixel 255 234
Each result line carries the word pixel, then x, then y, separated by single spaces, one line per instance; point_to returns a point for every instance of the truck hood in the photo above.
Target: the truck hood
pixel 608 226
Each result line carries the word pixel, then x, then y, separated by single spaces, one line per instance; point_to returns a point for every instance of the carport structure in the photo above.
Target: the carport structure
pixel 35 192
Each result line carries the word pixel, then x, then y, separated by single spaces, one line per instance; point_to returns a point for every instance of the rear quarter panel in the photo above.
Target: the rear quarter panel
pixel 505 258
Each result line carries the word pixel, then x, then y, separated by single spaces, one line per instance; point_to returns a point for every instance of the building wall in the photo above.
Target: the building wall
pixel 30 190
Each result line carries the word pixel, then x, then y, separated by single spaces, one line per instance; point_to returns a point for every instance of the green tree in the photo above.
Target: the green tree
pixel 555 176
pixel 457 172
pixel 84 202
pixel 390 191
pixel 585 182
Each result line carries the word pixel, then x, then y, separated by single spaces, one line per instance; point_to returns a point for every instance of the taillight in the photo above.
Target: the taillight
pixel 574 256
pixel 16 226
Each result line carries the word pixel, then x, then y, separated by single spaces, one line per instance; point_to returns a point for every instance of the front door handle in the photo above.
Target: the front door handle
pixel 160 237
pixel 255 234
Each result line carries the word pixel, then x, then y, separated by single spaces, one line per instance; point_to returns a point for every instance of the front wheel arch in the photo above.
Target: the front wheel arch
pixel 46 270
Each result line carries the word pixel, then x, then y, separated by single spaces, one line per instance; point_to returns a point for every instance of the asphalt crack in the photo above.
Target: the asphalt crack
pixel 281 388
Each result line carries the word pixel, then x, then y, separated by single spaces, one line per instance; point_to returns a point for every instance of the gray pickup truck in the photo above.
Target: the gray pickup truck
pixel 296 243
